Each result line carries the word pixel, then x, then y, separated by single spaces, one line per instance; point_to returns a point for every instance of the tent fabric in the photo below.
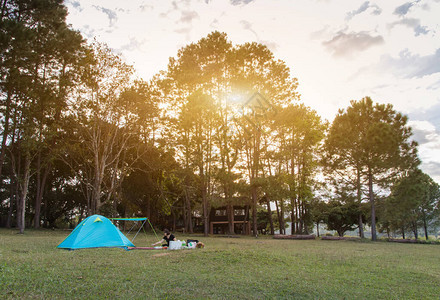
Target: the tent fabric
pixel 94 232
pixel 129 219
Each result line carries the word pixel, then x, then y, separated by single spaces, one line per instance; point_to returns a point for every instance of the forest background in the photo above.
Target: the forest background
pixel 222 126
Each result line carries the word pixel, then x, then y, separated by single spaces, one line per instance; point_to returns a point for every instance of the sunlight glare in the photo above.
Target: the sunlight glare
pixel 235 98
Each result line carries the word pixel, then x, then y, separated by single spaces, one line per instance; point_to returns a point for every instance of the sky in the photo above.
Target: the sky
pixel 340 50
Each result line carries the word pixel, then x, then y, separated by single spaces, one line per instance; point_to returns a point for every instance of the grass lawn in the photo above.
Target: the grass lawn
pixel 241 268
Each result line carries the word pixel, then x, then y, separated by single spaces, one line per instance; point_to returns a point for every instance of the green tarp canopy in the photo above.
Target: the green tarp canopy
pixel 143 220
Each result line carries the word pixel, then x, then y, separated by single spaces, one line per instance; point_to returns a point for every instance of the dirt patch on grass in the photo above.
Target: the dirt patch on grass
pixel 160 254
pixel 294 237
pixel 339 238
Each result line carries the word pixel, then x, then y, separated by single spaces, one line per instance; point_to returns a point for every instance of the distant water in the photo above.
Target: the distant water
pixel 434 231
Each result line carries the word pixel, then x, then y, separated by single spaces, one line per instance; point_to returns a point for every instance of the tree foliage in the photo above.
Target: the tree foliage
pixel 221 126
pixel 413 203
pixel 372 143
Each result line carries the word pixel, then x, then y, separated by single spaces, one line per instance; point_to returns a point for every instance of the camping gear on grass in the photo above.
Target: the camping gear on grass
pixel 175 245
pixel 94 232
pixel 146 248
pixel 191 245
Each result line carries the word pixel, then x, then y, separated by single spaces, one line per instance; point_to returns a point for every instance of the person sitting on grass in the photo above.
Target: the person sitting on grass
pixel 167 237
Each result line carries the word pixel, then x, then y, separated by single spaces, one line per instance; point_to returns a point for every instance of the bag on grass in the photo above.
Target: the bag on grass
pixel 175 245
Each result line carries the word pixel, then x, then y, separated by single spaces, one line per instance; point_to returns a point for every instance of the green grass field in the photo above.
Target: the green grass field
pixel 241 268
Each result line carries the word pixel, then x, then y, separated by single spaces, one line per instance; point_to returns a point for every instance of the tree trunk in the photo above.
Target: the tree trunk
pixel 190 222
pixel 90 203
pixel 293 188
pixel 292 217
pixel 299 220
pixel 359 198
pixel 306 229
pixel 278 215
pixel 361 227
pixel 12 200
pixel 297 215
pixel 40 191
pixel 21 205
pixel 254 175
pixel 282 223
pixel 185 215
pixel 229 208
pixel 246 218
pixel 269 215
pixel 5 131
pixel 254 209
pixel 45 221
pixel 205 207
pixel 415 230
pixel 148 207
pixel 189 212
pixel 174 220
pixel 373 208
pixel 96 200
pixel 425 227
pixel 317 228
pixel 99 161
pixel 403 233
pixel 99 175
pixel 230 212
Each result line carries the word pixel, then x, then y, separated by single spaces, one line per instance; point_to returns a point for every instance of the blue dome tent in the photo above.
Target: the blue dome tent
pixel 94 232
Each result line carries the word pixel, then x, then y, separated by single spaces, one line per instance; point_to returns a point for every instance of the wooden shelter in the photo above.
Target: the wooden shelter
pixel 219 220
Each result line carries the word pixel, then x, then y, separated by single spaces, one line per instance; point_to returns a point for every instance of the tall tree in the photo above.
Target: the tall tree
pixel 299 134
pixel 104 126
pixel 197 123
pixel 63 49
pixel 38 51
pixel 373 140
pixel 215 68
pixel 413 202
pixel 264 84
pixel 198 85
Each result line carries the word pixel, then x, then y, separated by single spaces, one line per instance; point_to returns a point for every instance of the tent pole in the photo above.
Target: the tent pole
pixel 138 231
pixel 131 228
pixel 153 229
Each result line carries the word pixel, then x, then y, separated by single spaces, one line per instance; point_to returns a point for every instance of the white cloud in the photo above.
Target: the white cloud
pixel 132 45
pixel 403 9
pixel 411 65
pixel 188 16
pixel 111 14
pixel 375 10
pixel 429 146
pixel 240 2
pixel 413 24
pixel 347 44
pixel 424 132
